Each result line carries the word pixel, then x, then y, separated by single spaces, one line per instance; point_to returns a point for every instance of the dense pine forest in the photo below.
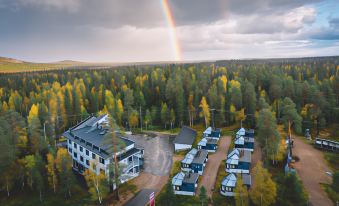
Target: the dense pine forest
pixel 37 107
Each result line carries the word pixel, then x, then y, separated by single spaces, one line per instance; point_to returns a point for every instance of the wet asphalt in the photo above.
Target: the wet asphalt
pixel 158 153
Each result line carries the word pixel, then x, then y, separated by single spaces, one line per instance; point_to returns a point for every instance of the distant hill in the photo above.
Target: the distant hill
pixel 70 62
pixel 10 60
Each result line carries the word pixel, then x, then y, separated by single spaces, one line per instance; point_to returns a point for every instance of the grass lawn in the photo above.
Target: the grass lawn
pixel 334 196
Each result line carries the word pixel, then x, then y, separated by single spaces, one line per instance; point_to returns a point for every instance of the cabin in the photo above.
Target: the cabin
pixel 249 133
pixel 185 139
pixel 212 133
pixel 229 183
pixel 238 161
pixel 244 139
pixel 87 143
pixel 326 144
pixel 185 183
pixel 211 145
pixel 195 161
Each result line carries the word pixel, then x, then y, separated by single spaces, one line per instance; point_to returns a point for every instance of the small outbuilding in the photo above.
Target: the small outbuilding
pixel 185 139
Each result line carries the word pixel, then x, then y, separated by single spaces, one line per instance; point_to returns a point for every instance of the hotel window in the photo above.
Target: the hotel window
pixel 75 145
pixel 87 162
pixel 70 150
pixel 81 158
pixel 101 160
pixel 87 152
pixel 81 149
pixel 69 141
pixel 93 156
pixel 75 154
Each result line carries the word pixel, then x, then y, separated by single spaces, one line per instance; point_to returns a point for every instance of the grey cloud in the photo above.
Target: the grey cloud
pixel 126 29
pixel 327 33
pixel 334 22
pixel 148 13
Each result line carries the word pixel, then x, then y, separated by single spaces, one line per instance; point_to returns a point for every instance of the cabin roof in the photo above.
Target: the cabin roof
pixel 181 177
pixel 195 156
pixel 231 180
pixel 237 155
pixel 205 141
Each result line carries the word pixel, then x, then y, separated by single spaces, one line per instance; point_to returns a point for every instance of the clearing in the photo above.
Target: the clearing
pixel 311 169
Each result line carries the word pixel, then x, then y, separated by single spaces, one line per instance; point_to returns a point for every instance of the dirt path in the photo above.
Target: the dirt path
pixel 256 155
pixel 311 169
pixel 214 160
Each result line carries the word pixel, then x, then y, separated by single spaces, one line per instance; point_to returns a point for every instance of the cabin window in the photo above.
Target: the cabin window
pixel 93 156
pixel 87 152
pixel 81 149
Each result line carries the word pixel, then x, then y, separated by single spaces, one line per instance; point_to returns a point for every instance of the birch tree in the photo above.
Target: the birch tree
pixel 205 111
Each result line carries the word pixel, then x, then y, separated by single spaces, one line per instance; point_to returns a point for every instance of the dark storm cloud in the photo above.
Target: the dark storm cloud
pixel 125 29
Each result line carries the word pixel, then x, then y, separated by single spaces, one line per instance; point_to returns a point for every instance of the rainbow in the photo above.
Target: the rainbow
pixel 172 28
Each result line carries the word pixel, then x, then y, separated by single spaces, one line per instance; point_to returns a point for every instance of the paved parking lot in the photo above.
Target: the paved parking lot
pixel 158 152
pixel 158 155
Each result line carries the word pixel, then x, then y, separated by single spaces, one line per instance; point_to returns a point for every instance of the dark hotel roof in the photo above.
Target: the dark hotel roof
pixel 90 133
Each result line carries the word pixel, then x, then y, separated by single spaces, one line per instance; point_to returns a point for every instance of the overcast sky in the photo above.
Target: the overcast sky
pixel 137 30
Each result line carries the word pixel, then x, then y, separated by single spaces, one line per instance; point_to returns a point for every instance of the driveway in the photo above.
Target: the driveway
pixel 311 169
pixel 256 155
pixel 158 158
pixel 214 159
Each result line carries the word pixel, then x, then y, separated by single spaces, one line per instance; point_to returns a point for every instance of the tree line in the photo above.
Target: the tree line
pixel 37 107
